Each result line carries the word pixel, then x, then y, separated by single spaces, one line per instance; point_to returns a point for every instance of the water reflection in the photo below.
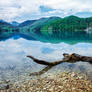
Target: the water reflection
pixel 53 40
pixel 14 64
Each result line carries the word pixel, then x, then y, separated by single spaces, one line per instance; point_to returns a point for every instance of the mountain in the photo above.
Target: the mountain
pixel 70 27
pixel 26 23
pixel 37 25
pixel 1 20
pixel 71 23
pixel 2 23
pixel 40 21
pixel 6 30
pixel 4 26
pixel 52 27
pixel 14 23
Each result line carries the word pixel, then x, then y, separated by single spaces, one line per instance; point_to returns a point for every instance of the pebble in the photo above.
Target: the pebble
pixel 66 82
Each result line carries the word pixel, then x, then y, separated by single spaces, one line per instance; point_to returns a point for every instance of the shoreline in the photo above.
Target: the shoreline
pixel 64 82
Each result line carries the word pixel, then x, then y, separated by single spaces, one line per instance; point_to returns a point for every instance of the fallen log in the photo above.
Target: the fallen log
pixel 43 62
pixel 71 58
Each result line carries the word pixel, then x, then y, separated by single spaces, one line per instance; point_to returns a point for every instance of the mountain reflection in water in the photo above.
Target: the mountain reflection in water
pixel 15 65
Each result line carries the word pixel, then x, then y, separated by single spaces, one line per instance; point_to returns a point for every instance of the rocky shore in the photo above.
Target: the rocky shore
pixel 65 82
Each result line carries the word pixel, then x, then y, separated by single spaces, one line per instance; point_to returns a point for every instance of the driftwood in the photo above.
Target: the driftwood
pixel 71 58
pixel 41 72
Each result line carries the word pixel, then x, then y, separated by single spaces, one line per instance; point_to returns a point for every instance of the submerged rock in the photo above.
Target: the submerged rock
pixel 4 86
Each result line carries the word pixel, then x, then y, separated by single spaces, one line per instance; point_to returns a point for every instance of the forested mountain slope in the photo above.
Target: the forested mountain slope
pixel 52 27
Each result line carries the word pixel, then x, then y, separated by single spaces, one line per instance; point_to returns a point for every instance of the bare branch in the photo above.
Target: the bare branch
pixel 43 62
pixel 42 71
pixel 71 58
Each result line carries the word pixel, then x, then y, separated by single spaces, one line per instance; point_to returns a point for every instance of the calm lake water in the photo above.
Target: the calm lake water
pixel 15 66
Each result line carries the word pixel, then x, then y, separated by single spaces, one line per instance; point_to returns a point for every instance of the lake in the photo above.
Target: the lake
pixel 15 66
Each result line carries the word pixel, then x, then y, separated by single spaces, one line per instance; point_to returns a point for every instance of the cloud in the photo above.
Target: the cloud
pixel 45 9
pixel 69 4
pixel 11 9
pixel 21 10
pixel 84 14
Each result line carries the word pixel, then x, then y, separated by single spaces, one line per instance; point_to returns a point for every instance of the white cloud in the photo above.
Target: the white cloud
pixel 12 9
pixel 68 4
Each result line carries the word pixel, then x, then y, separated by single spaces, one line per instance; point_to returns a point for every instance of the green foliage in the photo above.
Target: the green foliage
pixel 71 23
pixel 53 27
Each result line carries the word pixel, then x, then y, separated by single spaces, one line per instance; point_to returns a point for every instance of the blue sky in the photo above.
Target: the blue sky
pixel 21 10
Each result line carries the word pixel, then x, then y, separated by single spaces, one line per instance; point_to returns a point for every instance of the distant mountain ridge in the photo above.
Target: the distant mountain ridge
pixel 14 23
pixel 51 27
pixel 26 23
pixel 2 22
pixel 29 22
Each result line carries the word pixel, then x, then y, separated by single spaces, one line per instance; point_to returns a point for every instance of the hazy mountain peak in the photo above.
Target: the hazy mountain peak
pixel 14 23
pixel 25 23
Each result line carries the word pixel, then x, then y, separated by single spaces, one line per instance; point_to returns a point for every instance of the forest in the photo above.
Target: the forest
pixel 71 27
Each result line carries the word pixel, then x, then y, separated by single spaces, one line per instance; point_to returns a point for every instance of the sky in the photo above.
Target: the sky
pixel 21 10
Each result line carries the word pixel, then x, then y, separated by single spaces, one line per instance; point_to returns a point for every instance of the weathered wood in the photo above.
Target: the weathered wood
pixel 41 72
pixel 43 62
pixel 71 58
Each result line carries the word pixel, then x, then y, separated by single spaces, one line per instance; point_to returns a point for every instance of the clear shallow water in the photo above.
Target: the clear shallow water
pixel 14 65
